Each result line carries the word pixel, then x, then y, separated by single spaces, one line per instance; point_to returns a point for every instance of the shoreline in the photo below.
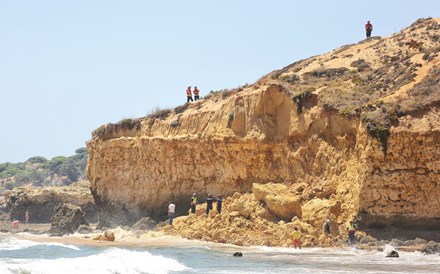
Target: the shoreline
pixel 142 238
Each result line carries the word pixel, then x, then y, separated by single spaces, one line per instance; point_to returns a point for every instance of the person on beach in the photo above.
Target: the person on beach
pixel 171 210
pixel 296 238
pixel 351 227
pixel 189 95
pixel 368 29
pixel 209 201
pixel 219 203
pixel 15 224
pixel 196 93
pixel 193 203
pixel 27 216
pixel 326 227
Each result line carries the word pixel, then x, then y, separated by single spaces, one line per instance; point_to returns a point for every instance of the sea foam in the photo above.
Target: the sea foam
pixel 11 243
pixel 112 260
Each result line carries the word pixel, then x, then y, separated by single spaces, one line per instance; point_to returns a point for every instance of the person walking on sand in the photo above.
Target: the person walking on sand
pixel 196 93
pixel 209 201
pixel 189 95
pixel 326 227
pixel 368 29
pixel 219 203
pixel 171 210
pixel 27 216
pixel 193 203
pixel 296 238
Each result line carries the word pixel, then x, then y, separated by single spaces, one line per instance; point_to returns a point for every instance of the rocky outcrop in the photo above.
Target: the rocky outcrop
pixel 351 134
pixel 41 201
pixel 66 219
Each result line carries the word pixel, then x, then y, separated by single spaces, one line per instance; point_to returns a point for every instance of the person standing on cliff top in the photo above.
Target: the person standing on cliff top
pixel 209 201
pixel 296 235
pixel 196 93
pixel 219 203
pixel 368 29
pixel 193 203
pixel 171 210
pixel 189 95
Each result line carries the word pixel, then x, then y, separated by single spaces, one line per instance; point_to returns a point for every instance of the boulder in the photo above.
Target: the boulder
pixel 66 219
pixel 279 200
pixel 392 254
pixel 107 236
pixel 146 223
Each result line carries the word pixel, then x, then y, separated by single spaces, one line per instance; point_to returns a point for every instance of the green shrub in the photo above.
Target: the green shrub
pixel 37 160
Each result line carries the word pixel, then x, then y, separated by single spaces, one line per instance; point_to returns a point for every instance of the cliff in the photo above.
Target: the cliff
pixel 350 134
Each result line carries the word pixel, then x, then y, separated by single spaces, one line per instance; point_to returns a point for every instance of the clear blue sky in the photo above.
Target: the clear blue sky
pixel 69 66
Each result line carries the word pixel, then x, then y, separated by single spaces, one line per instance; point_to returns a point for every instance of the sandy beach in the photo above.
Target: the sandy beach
pixel 123 237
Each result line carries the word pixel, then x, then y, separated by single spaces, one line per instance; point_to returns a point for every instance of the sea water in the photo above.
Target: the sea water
pixel 25 256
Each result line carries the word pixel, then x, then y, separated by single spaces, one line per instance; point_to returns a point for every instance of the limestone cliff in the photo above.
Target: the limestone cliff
pixel 353 133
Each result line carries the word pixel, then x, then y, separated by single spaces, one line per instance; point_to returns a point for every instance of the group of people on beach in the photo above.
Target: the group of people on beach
pixel 296 235
pixel 209 201
pixel 209 206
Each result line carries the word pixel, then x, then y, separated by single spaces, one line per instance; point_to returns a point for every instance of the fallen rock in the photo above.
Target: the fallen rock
pixel 107 236
pixel 392 254
pixel 146 223
pixel 279 200
pixel 66 219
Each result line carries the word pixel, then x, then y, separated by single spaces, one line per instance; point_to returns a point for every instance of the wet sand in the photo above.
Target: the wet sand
pixel 123 238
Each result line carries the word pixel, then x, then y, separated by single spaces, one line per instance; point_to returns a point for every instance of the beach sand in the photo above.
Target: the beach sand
pixel 123 237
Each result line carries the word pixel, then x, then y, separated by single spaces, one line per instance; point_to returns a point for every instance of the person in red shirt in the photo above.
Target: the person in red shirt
pixel 196 93
pixel 368 29
pixel 189 94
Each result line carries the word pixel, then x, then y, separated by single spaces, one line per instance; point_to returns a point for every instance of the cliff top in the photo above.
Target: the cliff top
pixel 379 80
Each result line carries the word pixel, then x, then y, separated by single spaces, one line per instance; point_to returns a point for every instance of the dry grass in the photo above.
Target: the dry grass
pixel 108 129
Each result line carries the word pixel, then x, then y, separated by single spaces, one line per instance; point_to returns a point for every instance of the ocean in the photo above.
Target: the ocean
pixel 36 257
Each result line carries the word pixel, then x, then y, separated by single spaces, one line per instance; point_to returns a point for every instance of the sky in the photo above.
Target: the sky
pixel 70 66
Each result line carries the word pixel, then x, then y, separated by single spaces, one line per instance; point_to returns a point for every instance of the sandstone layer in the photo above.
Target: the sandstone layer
pixel 348 135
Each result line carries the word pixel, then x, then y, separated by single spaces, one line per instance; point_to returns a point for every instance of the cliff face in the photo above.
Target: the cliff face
pixel 401 189
pixel 323 127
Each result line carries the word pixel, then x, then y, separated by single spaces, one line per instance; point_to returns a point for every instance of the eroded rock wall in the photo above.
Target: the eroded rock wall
pixel 266 140
pixel 402 189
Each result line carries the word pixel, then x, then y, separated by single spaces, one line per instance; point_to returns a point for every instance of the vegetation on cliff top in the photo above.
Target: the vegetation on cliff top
pixel 362 80
pixel 39 171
